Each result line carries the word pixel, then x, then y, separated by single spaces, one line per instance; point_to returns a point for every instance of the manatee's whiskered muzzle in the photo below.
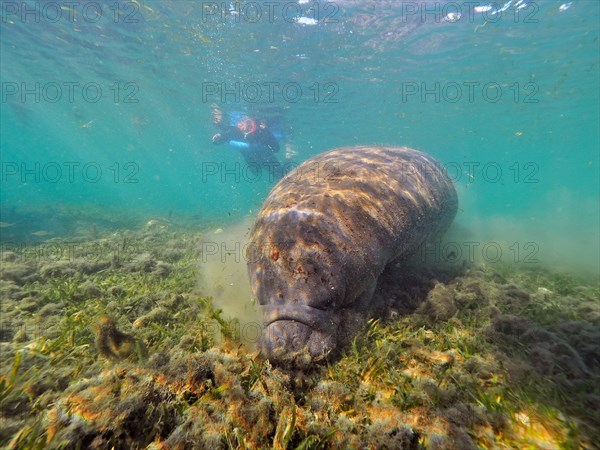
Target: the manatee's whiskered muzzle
pixel 295 328
pixel 287 340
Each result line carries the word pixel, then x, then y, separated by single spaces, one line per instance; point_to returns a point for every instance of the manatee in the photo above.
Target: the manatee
pixel 325 234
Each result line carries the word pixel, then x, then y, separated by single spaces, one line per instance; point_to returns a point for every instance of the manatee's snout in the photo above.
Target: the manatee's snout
pixel 290 341
pixel 297 334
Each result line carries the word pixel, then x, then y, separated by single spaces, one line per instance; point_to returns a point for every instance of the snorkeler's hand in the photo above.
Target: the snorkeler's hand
pixel 216 138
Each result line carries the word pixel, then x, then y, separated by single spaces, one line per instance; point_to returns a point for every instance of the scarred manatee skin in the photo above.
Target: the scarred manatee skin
pixel 327 231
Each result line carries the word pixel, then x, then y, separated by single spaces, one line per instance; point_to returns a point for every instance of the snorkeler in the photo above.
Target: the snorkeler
pixel 255 140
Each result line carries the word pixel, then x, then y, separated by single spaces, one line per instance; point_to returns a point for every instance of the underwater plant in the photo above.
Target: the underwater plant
pixel 129 357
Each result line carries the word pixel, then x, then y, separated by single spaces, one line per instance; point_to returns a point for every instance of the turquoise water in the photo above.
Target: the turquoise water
pixel 134 139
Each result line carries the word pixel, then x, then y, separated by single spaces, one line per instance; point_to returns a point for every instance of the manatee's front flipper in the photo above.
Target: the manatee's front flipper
pixel 362 304
pixel 354 318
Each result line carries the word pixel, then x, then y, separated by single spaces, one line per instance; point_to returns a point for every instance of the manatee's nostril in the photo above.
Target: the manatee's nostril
pixel 296 341
pixel 274 337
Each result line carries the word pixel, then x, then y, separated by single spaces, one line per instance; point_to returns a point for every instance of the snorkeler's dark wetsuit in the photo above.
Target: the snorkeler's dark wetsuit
pixel 260 153
pixel 262 137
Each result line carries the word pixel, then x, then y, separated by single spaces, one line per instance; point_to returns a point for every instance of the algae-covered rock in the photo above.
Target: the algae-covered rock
pixel 114 344
pixel 19 273
pixel 90 290
pixel 440 304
